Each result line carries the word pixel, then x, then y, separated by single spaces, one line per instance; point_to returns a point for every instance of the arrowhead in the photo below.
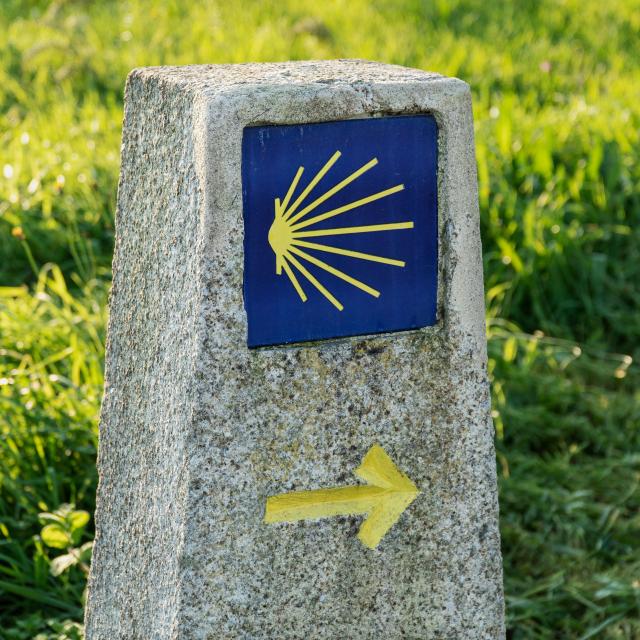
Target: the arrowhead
pixel 377 469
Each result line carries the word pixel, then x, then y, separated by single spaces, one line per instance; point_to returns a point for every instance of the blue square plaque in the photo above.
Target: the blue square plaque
pixel 341 228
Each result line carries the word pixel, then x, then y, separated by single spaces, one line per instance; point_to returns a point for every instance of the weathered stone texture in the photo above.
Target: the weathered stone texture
pixel 197 430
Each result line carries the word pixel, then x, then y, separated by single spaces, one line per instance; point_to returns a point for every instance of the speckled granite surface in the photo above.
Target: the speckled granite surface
pixel 196 430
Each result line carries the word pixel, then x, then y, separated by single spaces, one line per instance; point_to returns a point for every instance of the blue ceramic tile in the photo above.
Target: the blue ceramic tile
pixel 341 229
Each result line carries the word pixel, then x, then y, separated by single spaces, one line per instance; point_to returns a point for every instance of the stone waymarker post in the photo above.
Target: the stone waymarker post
pixel 295 436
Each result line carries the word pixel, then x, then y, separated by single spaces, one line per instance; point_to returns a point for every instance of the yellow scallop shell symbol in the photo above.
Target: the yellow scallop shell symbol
pixel 290 229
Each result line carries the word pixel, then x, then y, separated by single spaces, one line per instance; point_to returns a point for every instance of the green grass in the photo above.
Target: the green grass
pixel 555 89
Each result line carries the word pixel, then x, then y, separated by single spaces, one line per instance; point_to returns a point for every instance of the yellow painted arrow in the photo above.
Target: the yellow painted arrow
pixel 388 493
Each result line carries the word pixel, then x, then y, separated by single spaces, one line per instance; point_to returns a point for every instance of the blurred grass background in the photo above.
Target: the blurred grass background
pixel 557 110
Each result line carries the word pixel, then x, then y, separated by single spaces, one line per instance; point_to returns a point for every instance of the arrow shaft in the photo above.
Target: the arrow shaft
pixel 323 503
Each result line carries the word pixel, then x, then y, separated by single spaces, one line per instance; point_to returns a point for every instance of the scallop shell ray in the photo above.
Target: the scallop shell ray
pixel 290 229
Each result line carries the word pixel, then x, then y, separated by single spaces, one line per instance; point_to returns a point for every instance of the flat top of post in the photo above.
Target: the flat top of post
pixel 300 72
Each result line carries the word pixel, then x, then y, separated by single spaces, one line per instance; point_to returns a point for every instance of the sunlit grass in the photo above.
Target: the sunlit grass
pixel 50 388
pixel 555 88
